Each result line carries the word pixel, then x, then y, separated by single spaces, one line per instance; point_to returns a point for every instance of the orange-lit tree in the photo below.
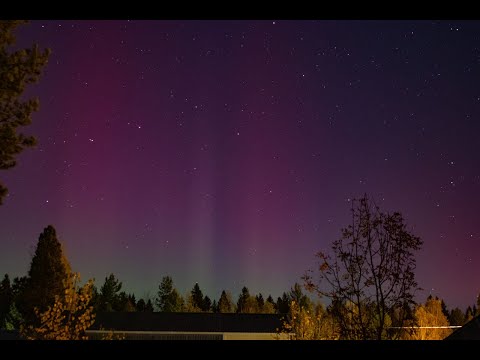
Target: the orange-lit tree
pixel 309 323
pixel 68 318
pixel 431 322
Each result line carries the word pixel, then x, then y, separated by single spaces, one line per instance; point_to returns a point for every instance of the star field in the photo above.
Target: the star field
pixel 227 152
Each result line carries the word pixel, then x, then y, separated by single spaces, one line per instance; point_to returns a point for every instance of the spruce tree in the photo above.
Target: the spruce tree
pixel 260 302
pixel 49 270
pixel 225 303
pixel 283 304
pixel 141 305
pixel 149 306
pixel 197 297
pixel 214 306
pixel 109 298
pixel 296 294
pixel 457 317
pixel 270 307
pixel 6 299
pixel 478 305
pixel 242 300
pixel 168 299
pixel 469 314
pixel 207 304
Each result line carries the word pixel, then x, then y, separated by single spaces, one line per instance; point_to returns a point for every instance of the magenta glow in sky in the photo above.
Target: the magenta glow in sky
pixel 226 152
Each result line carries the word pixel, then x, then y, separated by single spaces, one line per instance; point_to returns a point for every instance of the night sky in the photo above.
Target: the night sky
pixel 227 152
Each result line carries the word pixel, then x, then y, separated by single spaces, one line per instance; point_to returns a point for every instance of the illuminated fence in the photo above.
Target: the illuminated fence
pixel 425 332
pixel 426 327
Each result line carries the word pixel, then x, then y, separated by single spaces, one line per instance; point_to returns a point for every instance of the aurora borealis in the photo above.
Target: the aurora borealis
pixel 227 152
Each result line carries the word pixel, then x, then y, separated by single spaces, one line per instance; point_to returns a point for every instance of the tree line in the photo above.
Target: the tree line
pixel 50 295
pixel 368 274
pixel 50 269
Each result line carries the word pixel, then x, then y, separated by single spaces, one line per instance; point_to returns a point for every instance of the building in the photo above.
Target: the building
pixel 469 331
pixel 187 326
pixel 9 335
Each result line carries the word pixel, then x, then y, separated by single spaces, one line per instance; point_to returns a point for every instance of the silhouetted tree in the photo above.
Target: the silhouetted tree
pixel 197 297
pixel 270 300
pixel 109 297
pixel 457 317
pixel 13 320
pixel 242 300
pixel 444 309
pixel 207 304
pixel 6 299
pixel 48 272
pixel 133 301
pixel 401 315
pixel 296 294
pixel 141 305
pixel 149 306
pixel 225 303
pixel 283 304
pixel 19 285
pixel 17 69
pixel 370 272
pixel 477 312
pixel 260 301
pixel 125 303
pixel 214 306
pixel 168 299
pixel 469 314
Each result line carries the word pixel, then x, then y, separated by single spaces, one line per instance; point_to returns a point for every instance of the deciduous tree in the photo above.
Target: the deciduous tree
pixel 190 304
pixel 370 271
pixel 225 303
pixel 431 323
pixel 296 294
pixel 306 323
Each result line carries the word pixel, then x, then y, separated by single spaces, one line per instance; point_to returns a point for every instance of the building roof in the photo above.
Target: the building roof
pixel 9 335
pixel 188 322
pixel 469 331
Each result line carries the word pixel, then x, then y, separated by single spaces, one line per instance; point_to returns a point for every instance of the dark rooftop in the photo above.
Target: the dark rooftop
pixel 469 331
pixel 188 322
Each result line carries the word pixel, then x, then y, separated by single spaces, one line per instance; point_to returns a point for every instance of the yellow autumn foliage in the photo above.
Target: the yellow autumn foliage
pixel 112 335
pixel 308 324
pixel 431 323
pixel 68 318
